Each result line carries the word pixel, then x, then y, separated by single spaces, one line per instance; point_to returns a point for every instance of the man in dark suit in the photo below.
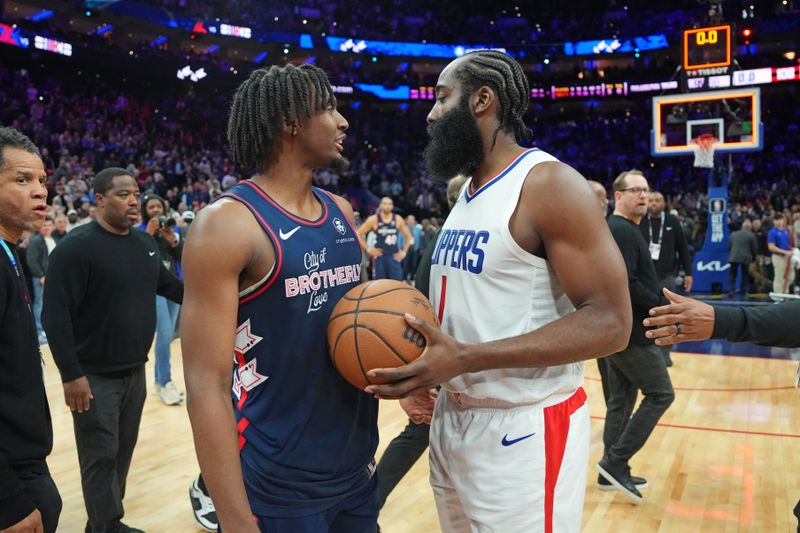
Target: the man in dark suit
pixel 742 250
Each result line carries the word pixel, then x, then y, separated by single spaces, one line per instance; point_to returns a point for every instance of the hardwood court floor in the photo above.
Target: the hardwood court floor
pixel 725 457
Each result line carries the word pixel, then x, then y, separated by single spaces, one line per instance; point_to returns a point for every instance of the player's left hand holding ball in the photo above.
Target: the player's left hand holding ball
pixel 442 360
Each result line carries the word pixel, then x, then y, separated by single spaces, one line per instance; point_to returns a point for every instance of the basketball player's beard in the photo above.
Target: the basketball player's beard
pixel 455 146
pixel 341 164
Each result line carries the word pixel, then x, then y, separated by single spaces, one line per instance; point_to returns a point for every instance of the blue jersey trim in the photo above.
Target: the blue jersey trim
pixel 304 221
pixel 469 197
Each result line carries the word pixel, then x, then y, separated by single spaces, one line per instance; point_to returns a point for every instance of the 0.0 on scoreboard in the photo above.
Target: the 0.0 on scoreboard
pixel 707 47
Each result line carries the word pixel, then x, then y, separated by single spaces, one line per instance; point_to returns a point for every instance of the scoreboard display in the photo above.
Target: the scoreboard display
pixel 705 48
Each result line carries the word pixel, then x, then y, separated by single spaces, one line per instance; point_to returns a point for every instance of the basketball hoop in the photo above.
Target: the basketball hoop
pixel 703 147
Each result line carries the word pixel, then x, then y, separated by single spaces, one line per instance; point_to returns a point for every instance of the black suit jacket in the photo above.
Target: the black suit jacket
pixel 770 325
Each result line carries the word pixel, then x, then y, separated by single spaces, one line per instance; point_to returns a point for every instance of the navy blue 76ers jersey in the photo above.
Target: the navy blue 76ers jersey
pixel 387 235
pixel 306 437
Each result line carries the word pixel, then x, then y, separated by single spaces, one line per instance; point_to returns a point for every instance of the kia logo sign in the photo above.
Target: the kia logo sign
pixel 712 266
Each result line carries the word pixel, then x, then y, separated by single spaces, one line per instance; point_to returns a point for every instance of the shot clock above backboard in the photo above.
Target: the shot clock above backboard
pixel 707 47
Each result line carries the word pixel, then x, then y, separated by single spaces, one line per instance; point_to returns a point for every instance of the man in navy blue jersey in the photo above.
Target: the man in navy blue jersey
pixel 291 447
pixel 387 226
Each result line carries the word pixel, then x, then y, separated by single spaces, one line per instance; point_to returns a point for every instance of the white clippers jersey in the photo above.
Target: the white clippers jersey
pixel 486 287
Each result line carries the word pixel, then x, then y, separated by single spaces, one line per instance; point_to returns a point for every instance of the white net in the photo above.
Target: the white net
pixel 703 148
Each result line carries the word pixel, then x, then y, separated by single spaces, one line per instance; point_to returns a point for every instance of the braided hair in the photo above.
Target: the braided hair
pixel 268 100
pixel 506 78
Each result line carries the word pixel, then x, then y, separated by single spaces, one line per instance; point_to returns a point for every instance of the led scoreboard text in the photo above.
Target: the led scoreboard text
pixel 706 37
pixel 52 45
pixel 705 48
pixel 230 30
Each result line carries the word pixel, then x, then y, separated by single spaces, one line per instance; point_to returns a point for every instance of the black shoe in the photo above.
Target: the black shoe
pixel 604 484
pixel 618 475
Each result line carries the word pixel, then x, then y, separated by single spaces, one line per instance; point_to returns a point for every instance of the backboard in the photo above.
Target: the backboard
pixel 733 117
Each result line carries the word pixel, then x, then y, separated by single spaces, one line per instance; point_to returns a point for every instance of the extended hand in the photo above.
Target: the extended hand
pixel 77 394
pixel 442 359
pixel 684 319
pixel 419 406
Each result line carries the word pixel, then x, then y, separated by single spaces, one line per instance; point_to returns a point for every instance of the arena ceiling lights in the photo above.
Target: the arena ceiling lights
pixel 193 75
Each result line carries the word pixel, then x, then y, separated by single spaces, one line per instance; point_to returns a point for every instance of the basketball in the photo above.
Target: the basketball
pixel 367 329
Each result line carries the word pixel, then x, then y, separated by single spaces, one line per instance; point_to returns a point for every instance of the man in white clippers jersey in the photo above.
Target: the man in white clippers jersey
pixel 528 284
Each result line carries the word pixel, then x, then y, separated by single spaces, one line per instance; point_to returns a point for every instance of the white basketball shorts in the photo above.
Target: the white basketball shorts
pixel 499 467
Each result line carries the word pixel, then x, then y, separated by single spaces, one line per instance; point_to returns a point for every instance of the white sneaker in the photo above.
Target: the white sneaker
pixel 170 395
pixel 203 507
pixel 156 390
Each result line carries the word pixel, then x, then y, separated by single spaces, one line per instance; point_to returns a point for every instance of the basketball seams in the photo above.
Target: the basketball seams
pixel 361 297
pixel 366 311
pixel 336 343
pixel 369 339
pixel 383 340
pixel 355 333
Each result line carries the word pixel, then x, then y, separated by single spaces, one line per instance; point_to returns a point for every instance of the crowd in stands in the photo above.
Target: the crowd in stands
pixel 174 142
pixel 497 22
pixel 536 32
pixel 476 21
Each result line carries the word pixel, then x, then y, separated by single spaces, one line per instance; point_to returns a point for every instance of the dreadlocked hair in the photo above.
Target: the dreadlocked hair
pixel 506 77
pixel 267 101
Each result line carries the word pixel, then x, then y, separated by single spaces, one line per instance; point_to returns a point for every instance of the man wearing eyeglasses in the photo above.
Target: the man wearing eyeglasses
pixel 640 367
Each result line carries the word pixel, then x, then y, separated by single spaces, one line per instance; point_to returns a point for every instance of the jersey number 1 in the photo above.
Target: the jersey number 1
pixel 441 299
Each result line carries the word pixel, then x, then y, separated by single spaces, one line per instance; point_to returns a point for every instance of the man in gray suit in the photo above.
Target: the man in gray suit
pixel 742 250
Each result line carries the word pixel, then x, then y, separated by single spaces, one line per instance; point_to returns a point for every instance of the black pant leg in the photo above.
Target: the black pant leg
pixel 401 454
pixel 97 439
pixel 130 417
pixel 619 404
pixel 644 370
pixel 734 271
pixel 797 515
pixel 602 366
pixel 41 489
